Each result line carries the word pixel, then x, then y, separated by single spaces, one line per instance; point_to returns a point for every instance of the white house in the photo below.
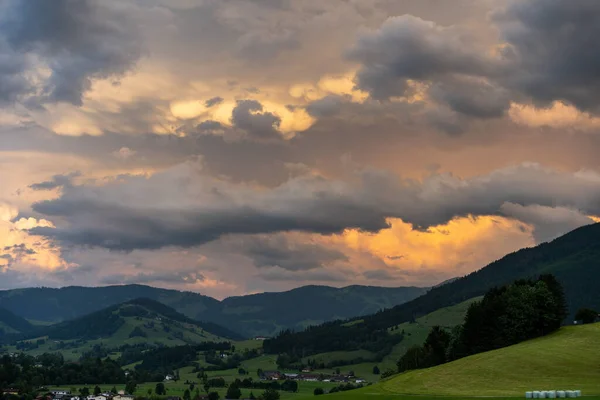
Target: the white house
pixel 123 397
pixel 169 377
pixel 61 392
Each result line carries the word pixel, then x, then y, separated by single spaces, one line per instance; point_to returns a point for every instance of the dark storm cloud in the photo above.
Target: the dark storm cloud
pixel 248 115
pixel 278 251
pixel 548 222
pixel 554 50
pixel 12 83
pixel 473 98
pixel 80 40
pixel 409 48
pixel 57 181
pixel 547 52
pixel 213 101
pixel 183 208
pixel 326 107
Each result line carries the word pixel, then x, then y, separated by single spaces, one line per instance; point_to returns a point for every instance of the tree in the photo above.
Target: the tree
pixel 270 394
pixel 586 316
pixel 149 392
pixel 318 391
pixel 114 390
pixel 242 371
pixel 84 391
pixel 233 392
pixel 213 396
pixel 289 386
pixel 197 394
pixel 435 345
pixel 187 395
pixel 160 389
pixel 252 396
pixel 130 387
pixel 259 372
pixel 97 390
pixel 376 370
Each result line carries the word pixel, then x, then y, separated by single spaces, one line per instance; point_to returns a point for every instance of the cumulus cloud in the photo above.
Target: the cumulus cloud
pixel 408 48
pixel 546 53
pixel 279 251
pixel 548 222
pixel 248 116
pixel 553 49
pixel 78 40
pixel 184 207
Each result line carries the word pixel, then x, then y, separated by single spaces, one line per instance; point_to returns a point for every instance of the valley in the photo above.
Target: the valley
pixel 154 345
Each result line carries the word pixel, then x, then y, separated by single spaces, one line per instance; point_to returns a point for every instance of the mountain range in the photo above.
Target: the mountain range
pixel 574 259
pixel 252 315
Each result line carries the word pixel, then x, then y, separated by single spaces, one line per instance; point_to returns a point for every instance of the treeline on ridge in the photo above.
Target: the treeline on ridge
pixel 507 315
pixel 329 337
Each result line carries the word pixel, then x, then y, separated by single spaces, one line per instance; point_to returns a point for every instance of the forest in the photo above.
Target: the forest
pixel 507 315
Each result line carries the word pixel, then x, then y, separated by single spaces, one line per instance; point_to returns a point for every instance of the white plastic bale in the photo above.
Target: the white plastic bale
pixel 536 394
pixel 561 394
pixel 578 393
pixel 543 394
pixel 528 395
pixel 570 394
pixel 552 394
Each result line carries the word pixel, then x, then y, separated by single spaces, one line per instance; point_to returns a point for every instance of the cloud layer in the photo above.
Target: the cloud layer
pixel 232 147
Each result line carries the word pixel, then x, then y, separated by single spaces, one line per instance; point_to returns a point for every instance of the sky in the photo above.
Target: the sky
pixel 237 146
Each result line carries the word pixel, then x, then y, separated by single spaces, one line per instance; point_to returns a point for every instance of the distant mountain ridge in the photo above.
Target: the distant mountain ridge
pixel 251 315
pixel 109 320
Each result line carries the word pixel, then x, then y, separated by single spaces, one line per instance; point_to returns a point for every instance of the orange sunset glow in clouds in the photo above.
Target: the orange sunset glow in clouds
pixel 240 146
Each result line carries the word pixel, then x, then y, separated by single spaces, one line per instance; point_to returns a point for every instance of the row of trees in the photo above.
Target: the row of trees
pixel 28 373
pixel 507 315
pixel 328 337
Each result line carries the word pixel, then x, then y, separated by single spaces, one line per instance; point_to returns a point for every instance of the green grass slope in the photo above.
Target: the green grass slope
pixel 11 323
pixel 566 359
pixel 415 333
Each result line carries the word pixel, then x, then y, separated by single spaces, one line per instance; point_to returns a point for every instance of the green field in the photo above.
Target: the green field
pixel 567 359
pixel 414 334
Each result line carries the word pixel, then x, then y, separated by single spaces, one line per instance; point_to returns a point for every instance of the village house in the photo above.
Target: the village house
pixel 271 375
pixel 309 377
pixel 169 377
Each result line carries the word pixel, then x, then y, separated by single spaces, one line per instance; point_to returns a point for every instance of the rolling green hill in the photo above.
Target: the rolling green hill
pixel 139 321
pixel 268 313
pixel 11 323
pixel 566 359
pixel 252 315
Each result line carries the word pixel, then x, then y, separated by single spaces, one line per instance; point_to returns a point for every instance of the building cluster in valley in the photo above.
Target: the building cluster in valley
pixel 308 376
pixel 67 395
